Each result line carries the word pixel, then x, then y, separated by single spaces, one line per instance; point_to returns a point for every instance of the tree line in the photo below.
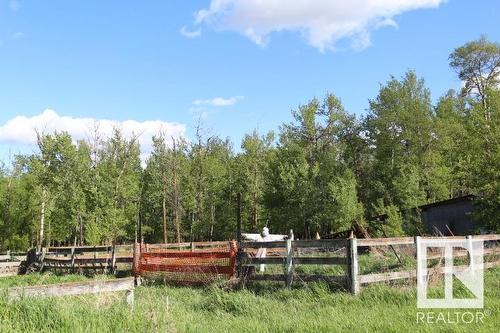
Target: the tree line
pixel 321 173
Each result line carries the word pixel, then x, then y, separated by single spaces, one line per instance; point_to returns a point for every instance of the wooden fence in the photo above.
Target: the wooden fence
pixel 81 258
pixel 9 265
pixel 289 254
pixel 284 254
pixel 105 258
pixel 9 268
pixel 75 288
pixel 352 279
pixel 358 279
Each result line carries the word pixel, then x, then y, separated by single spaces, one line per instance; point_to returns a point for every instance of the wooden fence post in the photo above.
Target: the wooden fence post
pixel 73 259
pixel 113 259
pixel 135 263
pixel 419 261
pixel 289 260
pixel 353 265
pixel 42 257
pixel 239 255
pixel 129 297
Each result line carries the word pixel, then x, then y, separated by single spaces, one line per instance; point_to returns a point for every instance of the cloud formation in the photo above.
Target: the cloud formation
pixel 321 22
pixel 217 101
pixel 190 33
pixel 20 130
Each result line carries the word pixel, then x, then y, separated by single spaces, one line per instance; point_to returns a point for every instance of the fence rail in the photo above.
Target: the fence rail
pixel 286 253
pixel 352 279
pixel 357 279
pixel 9 268
pixel 289 259
pixel 75 288
pixel 107 257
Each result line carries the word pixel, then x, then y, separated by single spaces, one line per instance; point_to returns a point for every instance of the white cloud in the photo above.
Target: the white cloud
pixel 190 33
pixel 20 130
pixel 218 101
pixel 321 22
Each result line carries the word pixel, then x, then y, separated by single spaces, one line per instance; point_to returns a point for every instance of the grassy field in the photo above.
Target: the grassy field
pixel 259 308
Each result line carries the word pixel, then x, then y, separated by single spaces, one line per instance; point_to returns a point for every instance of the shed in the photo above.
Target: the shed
pixel 453 216
pixel 447 217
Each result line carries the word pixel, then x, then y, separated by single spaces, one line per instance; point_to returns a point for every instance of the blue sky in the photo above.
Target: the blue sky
pixel 238 66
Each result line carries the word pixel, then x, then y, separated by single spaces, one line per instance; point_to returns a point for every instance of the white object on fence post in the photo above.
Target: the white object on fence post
pixel 353 263
pixel 264 236
pixel 289 260
pixel 262 252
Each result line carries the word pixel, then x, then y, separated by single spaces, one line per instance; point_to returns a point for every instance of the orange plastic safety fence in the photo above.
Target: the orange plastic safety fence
pixel 186 267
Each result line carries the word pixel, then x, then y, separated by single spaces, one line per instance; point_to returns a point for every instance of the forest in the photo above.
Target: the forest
pixel 320 173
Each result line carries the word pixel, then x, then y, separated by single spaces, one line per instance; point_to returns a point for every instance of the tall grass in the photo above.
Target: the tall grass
pixel 259 308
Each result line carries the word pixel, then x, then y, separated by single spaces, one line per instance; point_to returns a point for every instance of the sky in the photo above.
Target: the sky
pixel 233 66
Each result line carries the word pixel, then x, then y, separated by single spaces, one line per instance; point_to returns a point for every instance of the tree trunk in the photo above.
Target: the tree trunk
pixel 254 200
pixel 164 204
pixel 176 193
pixel 42 222
pixel 81 229
pixel 212 220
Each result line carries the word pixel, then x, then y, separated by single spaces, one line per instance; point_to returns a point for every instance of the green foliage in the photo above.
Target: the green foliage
pixel 325 171
pixel 393 224
pixel 477 64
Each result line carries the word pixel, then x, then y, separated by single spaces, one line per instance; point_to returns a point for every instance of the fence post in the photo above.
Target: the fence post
pixel 419 261
pixel 239 255
pixel 42 257
pixel 135 264
pixel 289 260
pixel 73 259
pixel 129 297
pixel 353 265
pixel 113 259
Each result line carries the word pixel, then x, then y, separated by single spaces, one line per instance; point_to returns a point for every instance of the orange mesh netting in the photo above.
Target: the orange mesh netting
pixel 186 267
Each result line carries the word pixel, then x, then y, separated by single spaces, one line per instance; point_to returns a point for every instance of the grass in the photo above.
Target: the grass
pixel 38 279
pixel 259 308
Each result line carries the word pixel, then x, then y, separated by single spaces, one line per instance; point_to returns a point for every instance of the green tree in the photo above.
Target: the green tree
pixel 406 170
pixel 252 165
pixel 119 170
pixel 312 173
pixel 477 64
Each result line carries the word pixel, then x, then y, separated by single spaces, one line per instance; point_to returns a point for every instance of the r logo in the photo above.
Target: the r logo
pixel 471 276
